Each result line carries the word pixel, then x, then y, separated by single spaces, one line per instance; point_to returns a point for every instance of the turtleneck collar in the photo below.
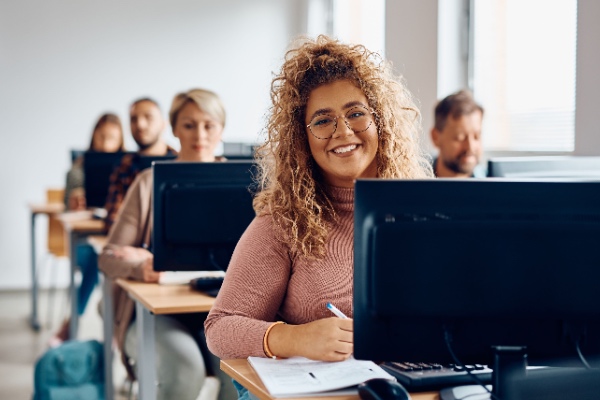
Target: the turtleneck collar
pixel 342 198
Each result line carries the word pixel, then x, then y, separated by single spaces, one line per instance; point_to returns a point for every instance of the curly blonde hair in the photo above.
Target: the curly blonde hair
pixel 293 190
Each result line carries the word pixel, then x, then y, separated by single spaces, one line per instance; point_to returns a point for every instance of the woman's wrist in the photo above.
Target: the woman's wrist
pixel 266 343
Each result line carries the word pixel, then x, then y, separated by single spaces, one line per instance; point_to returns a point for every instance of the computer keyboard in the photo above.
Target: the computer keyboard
pixel 207 284
pixel 419 376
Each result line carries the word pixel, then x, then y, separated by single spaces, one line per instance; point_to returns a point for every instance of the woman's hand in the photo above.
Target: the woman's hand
pixel 148 273
pixel 138 254
pixel 329 339
pixel 76 200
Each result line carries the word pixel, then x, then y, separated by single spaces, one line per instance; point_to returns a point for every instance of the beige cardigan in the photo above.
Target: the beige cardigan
pixel 131 228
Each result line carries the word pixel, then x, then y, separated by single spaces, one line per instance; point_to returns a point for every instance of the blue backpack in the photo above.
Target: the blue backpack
pixel 72 371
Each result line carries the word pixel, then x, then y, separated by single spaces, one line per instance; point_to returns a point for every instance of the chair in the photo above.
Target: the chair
pixel 57 245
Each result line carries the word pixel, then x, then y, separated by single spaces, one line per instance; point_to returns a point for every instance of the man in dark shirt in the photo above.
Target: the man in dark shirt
pixel 457 135
pixel 147 126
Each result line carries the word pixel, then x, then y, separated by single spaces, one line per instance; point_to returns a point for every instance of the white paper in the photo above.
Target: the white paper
pixel 184 277
pixel 297 376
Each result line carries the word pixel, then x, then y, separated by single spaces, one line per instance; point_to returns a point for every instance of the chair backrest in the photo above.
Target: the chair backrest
pixel 57 244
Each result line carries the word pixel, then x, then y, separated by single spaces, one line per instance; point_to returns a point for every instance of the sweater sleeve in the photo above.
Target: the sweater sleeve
pixel 128 230
pixel 253 290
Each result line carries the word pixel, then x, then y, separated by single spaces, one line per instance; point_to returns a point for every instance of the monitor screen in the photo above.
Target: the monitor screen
pixel 481 263
pixel 545 167
pixel 200 212
pixel 97 168
pixel 238 150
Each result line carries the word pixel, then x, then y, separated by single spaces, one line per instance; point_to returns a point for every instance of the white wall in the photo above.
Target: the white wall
pixel 411 44
pixel 587 123
pixel 62 63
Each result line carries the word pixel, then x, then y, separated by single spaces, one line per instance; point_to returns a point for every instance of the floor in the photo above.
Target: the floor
pixel 20 346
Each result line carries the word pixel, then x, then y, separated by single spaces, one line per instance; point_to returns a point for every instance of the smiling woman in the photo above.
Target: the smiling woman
pixel 338 114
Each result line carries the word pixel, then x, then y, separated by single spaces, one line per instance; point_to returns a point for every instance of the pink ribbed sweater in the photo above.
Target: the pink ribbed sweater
pixel 267 282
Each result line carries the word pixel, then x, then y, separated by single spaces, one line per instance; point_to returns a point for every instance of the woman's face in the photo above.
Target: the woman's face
pixel 346 155
pixel 198 132
pixel 107 138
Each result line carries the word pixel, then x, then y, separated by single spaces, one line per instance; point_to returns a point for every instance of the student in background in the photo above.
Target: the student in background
pixel 197 118
pixel 457 135
pixel 107 137
pixel 147 126
pixel 338 114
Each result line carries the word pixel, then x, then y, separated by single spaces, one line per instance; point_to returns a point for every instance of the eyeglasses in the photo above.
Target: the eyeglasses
pixel 358 119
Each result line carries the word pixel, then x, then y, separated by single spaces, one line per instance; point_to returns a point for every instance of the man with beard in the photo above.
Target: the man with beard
pixel 147 125
pixel 457 135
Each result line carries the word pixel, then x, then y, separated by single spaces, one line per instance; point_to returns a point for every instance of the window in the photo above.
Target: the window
pixel 351 21
pixel 523 73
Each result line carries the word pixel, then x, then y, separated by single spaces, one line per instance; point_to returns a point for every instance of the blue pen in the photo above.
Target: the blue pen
pixel 335 310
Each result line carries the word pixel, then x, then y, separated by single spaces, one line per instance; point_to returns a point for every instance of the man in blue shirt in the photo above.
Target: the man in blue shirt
pixel 457 135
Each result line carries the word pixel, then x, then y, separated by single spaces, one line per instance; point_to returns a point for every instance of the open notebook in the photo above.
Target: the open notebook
pixel 301 377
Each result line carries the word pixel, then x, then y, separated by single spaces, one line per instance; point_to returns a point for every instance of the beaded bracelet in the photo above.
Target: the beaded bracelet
pixel 265 345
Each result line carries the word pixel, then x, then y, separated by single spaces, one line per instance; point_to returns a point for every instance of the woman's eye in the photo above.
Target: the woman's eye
pixel 322 121
pixel 355 114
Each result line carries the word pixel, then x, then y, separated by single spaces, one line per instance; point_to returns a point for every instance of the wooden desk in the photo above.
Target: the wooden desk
pixel 154 299
pixel 97 242
pixel 35 210
pixel 242 372
pixel 77 229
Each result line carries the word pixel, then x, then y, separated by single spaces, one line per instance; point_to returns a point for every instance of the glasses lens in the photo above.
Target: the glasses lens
pixel 359 119
pixel 323 126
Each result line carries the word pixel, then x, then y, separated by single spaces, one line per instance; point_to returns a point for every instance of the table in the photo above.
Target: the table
pixel 97 242
pixel 151 299
pixel 35 210
pixel 242 372
pixel 77 229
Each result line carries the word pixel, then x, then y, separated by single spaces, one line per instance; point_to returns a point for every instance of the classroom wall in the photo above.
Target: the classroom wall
pixel 63 63
pixel 587 126
pixel 411 44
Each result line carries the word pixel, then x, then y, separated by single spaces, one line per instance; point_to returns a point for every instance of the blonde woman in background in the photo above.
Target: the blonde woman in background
pixel 197 118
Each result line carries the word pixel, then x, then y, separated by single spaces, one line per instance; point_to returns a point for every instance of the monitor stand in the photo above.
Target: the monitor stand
pixel 510 362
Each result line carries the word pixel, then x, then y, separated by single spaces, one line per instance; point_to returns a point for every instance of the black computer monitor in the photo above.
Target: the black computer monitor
pixel 200 212
pixel 481 263
pixel 545 167
pixel 97 168
pixel 143 162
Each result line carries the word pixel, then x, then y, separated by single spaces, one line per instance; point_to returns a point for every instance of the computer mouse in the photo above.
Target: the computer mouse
pixel 382 389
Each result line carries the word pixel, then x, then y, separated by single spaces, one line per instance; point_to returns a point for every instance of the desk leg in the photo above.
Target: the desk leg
pixel 35 324
pixel 73 326
pixel 146 363
pixel 107 315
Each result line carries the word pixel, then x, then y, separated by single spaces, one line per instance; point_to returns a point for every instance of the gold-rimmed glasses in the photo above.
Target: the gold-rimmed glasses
pixel 358 119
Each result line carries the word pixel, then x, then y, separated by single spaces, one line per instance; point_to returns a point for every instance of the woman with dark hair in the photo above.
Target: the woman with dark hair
pixel 107 137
